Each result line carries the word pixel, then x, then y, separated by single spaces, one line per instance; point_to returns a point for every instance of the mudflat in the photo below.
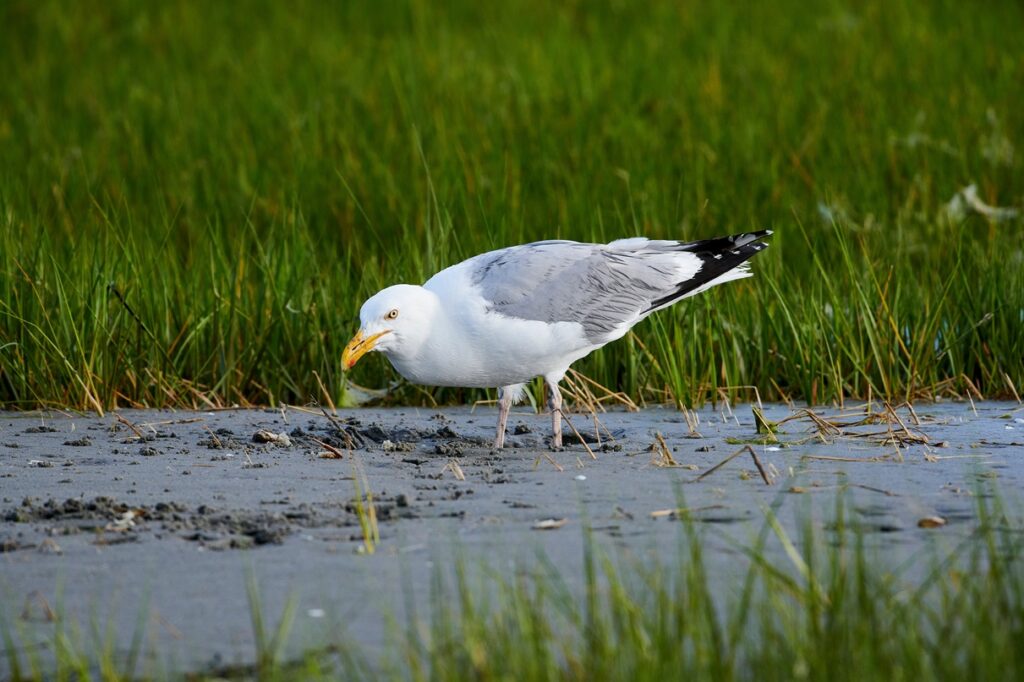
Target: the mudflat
pixel 159 519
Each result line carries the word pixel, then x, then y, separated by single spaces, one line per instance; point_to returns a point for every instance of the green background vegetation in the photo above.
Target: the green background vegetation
pixel 195 198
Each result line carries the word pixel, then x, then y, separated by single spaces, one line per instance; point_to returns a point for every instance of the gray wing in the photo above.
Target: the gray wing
pixel 571 282
pixel 603 286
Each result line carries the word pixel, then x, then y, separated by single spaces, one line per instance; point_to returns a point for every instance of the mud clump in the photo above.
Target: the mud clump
pixel 388 446
pixel 230 529
pixel 354 435
pixel 221 439
pixel 144 438
pixel 450 449
pixel 226 528
pixel 98 509
pixel 116 521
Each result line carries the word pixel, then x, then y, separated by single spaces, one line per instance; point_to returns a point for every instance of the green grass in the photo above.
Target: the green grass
pixel 195 198
pixel 830 603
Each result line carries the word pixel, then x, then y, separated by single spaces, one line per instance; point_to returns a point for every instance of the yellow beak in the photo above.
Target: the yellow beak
pixel 359 346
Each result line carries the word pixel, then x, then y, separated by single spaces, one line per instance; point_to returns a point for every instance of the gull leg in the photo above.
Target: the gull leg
pixel 505 396
pixel 555 405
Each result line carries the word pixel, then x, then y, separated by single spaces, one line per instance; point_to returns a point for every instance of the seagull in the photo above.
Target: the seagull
pixel 499 319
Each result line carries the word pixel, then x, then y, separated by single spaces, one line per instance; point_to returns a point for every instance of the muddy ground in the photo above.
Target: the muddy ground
pixel 158 517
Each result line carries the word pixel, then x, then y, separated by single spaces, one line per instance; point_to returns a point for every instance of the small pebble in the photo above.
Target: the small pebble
pixel 581 477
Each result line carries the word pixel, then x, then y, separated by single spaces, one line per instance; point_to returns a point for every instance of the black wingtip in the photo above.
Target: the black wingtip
pixel 718 256
pixel 726 244
pixel 749 237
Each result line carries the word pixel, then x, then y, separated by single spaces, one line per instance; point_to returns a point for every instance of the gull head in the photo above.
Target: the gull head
pixel 393 321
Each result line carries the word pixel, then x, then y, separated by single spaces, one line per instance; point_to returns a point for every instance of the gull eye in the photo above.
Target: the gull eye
pixel 392 314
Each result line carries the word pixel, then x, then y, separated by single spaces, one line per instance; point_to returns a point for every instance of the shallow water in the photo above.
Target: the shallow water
pixel 164 514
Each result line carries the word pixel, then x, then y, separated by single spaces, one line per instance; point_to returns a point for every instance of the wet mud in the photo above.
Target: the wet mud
pixel 168 514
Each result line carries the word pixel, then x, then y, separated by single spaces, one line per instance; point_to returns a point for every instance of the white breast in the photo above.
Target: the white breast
pixel 470 346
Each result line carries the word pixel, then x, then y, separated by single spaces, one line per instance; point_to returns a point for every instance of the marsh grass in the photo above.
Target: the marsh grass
pixel 270 644
pixel 827 603
pixel 196 198
pixel 364 507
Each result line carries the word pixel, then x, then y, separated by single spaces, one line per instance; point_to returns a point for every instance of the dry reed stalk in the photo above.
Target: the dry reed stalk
pixel 683 511
pixel 760 468
pixel 340 428
pixel 1013 389
pixel 913 412
pixel 889 493
pixel 782 394
pixel 303 409
pixel 212 403
pixel 660 447
pixel 617 396
pixel 724 395
pixel 165 422
pixel 908 437
pixel 578 435
pixel 331 452
pixel 120 399
pixel 745 448
pixel 549 458
pixel 582 394
pixel 130 425
pixel 971 388
pixel 579 393
pixel 167 625
pixel 485 401
pixel 453 466
pixel 831 458
pixel 764 426
pixel 37 599
pixel 213 435
pixel 323 389
pixel 692 422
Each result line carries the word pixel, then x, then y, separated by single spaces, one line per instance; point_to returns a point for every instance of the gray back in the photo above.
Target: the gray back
pixel 596 285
